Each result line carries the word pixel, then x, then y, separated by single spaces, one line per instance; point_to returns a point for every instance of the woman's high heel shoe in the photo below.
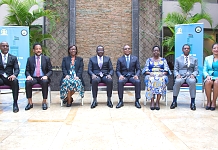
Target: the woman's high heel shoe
pixel 69 105
pixel 152 108
pixel 212 108
pixel 207 107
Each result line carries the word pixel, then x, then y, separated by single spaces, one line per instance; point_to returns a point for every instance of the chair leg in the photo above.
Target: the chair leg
pixel 91 96
pixel 203 98
pixel 145 101
pixel 61 102
pixel 49 96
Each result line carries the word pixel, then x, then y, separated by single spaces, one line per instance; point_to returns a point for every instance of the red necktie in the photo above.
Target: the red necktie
pixel 38 67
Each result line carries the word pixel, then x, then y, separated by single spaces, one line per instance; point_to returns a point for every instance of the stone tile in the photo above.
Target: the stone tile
pixel 80 127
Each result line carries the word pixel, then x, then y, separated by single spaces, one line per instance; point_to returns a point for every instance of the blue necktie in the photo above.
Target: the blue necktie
pixel 127 61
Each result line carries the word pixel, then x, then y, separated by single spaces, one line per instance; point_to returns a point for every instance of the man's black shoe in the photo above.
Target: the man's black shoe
pixel 120 104
pixel 28 106
pixel 15 108
pixel 192 106
pixel 173 105
pixel 137 104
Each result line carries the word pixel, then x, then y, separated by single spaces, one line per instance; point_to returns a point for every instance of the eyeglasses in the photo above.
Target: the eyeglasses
pixel 72 49
pixel 127 49
pixel 5 45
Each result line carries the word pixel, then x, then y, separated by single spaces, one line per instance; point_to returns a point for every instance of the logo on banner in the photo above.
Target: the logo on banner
pixel 179 31
pixel 4 32
pixel 198 29
pixel 24 32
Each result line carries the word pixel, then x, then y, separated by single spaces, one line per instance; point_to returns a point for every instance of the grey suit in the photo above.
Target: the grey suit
pixel 185 71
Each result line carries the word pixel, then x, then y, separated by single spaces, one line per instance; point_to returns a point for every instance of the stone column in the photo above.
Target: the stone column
pixel 72 23
pixel 135 27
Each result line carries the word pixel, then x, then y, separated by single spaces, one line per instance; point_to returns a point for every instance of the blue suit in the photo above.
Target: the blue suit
pixel 208 70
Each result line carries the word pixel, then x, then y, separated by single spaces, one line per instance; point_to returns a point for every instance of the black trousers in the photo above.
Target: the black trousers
pixel 13 84
pixel 108 82
pixel 29 84
pixel 136 83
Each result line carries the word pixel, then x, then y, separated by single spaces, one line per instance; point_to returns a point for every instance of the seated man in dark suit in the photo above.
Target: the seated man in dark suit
pixel 128 70
pixel 100 69
pixel 38 70
pixel 9 70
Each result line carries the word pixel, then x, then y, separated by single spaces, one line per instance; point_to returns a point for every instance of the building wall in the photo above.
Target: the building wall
pixel 211 8
pixel 100 22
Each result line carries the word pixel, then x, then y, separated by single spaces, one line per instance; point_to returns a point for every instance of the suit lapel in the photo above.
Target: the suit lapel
pixel 43 62
pixel 9 59
pixel 124 61
pixel 69 61
pixel 191 60
pixel 96 60
pixel 210 62
pixel 1 59
pixel 34 61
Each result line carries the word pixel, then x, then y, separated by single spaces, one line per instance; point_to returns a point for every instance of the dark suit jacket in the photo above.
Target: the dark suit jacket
pixel 134 66
pixel 93 68
pixel 45 65
pixel 79 66
pixel 12 66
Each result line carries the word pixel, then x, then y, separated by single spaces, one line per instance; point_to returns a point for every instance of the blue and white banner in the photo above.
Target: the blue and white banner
pixel 18 40
pixel 192 34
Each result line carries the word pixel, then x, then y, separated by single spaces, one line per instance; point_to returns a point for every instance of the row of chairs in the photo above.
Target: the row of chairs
pixel 35 87
pixel 103 86
pixel 127 85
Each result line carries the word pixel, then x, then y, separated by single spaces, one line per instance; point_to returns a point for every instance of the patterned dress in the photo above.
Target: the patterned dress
pixel 155 84
pixel 71 85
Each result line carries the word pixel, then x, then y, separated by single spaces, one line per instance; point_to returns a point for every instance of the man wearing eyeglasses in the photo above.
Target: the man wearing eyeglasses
pixel 128 70
pixel 100 69
pixel 185 71
pixel 9 70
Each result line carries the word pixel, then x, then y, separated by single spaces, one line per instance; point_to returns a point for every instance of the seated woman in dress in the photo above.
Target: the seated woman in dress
pixel 210 73
pixel 72 81
pixel 156 70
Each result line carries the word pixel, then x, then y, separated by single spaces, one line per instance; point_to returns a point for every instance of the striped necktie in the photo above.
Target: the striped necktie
pixel 186 60
pixel 5 60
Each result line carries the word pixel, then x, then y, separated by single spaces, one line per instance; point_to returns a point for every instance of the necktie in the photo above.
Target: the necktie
pixel 5 60
pixel 100 62
pixel 38 67
pixel 186 60
pixel 127 61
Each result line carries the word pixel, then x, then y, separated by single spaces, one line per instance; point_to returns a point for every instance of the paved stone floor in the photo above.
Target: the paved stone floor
pixel 103 128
